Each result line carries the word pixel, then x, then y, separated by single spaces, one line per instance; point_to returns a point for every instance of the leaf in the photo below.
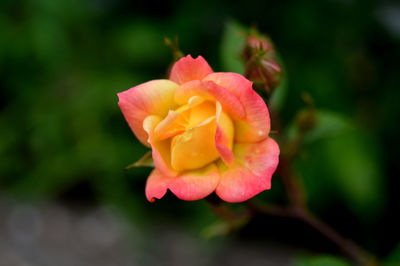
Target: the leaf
pixel 145 161
pixel 232 44
pixel 322 260
pixel 216 229
pixel 342 162
pixel 356 165
pixel 328 124
pixel 394 258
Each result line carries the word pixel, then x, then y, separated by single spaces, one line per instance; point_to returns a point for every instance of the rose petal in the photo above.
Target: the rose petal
pixel 177 121
pixel 211 91
pixel 187 69
pixel 156 185
pixel 191 185
pixel 195 148
pixel 160 149
pixel 256 126
pixel 155 97
pixel 194 185
pixel 251 174
pixel 224 136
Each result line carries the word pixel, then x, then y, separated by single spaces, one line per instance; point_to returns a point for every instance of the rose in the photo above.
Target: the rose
pixel 208 132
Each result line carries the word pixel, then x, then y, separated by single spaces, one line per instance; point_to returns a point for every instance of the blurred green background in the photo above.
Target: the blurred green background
pixel 63 138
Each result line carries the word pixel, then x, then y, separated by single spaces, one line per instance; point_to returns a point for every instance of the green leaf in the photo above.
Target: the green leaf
pixel 146 160
pixel 394 258
pixel 356 165
pixel 216 229
pixel 232 44
pixel 328 124
pixel 346 165
pixel 322 260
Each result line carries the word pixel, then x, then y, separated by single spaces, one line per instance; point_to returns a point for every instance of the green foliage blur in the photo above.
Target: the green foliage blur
pixel 63 137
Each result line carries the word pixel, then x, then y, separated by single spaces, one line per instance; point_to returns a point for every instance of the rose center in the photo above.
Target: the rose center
pixel 192 136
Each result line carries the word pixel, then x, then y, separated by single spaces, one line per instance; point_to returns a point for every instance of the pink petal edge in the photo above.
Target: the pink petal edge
pixel 256 126
pixel 221 140
pixel 211 91
pixel 254 166
pixel 191 185
pixel 155 97
pixel 188 69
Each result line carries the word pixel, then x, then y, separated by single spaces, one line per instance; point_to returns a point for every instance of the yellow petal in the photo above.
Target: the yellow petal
pixel 160 149
pixel 195 148
pixel 226 125
pixel 224 136
pixel 179 120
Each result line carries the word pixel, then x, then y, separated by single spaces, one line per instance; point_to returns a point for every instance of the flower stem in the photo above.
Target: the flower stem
pixel 348 247
pixel 298 207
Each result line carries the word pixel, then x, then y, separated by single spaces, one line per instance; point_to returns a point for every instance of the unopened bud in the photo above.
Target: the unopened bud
pixel 262 66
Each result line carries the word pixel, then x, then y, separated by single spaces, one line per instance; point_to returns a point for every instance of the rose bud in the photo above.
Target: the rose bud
pixel 262 66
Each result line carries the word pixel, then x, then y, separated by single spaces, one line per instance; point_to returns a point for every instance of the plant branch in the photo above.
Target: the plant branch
pixel 347 246
pixel 298 207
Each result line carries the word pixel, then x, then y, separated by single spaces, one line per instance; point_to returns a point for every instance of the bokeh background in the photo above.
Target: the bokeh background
pixel 65 198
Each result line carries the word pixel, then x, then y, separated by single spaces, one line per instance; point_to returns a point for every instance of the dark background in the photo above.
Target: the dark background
pixel 64 141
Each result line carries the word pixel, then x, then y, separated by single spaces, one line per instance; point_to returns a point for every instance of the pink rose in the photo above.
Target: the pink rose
pixel 208 132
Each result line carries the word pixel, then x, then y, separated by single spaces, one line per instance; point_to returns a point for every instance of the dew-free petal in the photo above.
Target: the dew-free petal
pixel 209 90
pixel 191 185
pixel 155 97
pixel 160 148
pixel 224 135
pixel 251 173
pixel 188 69
pixel 256 125
pixel 195 148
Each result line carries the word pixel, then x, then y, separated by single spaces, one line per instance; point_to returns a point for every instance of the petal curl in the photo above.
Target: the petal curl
pixel 195 148
pixel 211 91
pixel 177 121
pixel 254 165
pixel 187 69
pixel 160 149
pixel 256 126
pixel 155 97
pixel 191 185
pixel 156 185
pixel 224 136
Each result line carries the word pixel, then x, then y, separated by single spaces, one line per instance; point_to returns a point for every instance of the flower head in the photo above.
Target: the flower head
pixel 208 132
